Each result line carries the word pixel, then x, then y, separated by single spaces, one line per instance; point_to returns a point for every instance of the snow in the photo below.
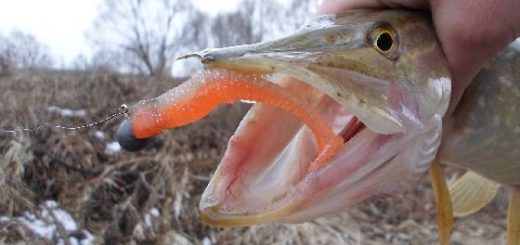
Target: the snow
pixel 48 219
pixel 153 213
pixel 38 226
pixel 148 220
pixel 89 238
pixel 99 135
pixel 206 241
pixel 66 220
pixel 177 205
pixel 64 112
pixel 113 148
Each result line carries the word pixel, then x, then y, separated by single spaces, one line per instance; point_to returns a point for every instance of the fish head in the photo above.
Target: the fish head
pixel 379 78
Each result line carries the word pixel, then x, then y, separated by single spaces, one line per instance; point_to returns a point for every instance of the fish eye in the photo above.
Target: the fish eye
pixel 384 40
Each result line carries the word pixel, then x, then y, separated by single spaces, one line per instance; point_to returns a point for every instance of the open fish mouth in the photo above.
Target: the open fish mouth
pixel 390 124
pixel 265 173
pixel 349 72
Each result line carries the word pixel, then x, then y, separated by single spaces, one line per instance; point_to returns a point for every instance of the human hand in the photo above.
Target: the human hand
pixel 470 31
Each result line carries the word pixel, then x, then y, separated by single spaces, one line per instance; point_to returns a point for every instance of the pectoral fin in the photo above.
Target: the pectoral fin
pixel 471 192
pixel 513 218
pixel 442 197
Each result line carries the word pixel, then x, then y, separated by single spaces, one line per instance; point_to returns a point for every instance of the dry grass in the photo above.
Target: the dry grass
pixel 111 195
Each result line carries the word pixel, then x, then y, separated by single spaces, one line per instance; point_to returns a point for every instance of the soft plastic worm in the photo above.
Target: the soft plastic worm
pixel 197 97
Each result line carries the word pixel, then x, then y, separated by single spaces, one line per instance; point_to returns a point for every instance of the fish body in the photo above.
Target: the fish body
pixel 482 136
pixel 483 132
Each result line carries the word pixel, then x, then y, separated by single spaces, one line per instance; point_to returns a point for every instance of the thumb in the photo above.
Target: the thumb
pixel 471 33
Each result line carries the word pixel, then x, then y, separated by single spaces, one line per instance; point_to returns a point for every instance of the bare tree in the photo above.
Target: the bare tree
pixel 23 50
pixel 147 33
pixel 255 21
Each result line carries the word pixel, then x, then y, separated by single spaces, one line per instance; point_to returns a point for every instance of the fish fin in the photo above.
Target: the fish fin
pixel 443 200
pixel 513 217
pixel 471 192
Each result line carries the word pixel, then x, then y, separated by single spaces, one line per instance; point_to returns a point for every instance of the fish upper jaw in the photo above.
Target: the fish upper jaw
pixel 347 69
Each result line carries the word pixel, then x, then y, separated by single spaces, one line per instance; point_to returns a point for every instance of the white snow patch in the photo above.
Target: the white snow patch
pixel 89 238
pixel 38 226
pixel 113 148
pixel 177 205
pixel 75 241
pixel 66 220
pixel 153 213
pixel 45 222
pixel 206 241
pixel 64 112
pixel 99 135
pixel 147 220
pixel 51 204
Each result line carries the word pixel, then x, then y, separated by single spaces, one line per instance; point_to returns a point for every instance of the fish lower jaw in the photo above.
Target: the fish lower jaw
pixel 253 185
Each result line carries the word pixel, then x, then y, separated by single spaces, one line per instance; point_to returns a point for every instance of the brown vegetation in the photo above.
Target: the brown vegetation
pixel 111 196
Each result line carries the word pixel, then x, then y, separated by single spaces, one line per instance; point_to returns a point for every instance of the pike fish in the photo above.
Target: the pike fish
pixel 362 113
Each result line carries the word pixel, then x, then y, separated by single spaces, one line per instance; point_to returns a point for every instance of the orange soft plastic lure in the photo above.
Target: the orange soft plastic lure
pixel 197 97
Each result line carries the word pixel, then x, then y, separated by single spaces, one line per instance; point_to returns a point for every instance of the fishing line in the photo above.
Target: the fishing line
pixel 122 110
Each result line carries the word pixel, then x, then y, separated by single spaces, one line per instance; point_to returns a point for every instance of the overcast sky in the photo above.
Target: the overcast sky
pixel 61 24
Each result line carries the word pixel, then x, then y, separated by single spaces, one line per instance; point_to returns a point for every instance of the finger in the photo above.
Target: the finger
pixel 472 32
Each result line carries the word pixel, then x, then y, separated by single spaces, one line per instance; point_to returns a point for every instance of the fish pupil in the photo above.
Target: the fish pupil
pixel 384 42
